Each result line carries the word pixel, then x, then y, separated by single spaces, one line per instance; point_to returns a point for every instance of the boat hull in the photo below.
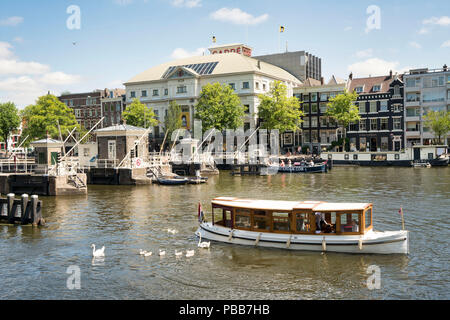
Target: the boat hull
pixel 303 169
pixel 389 242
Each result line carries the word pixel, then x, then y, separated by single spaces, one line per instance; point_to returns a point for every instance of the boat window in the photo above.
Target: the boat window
pixel 330 223
pixel 303 223
pixel 349 222
pixel 368 218
pixel 281 221
pixel 242 219
pixel 261 220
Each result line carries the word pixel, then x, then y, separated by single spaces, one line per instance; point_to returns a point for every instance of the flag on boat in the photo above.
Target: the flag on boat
pixel 201 216
pixel 400 212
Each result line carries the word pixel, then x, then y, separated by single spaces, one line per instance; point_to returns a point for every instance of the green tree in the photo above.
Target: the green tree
pixel 173 120
pixel 219 107
pixel 9 120
pixel 137 114
pixel 278 111
pixel 438 122
pixel 344 111
pixel 42 118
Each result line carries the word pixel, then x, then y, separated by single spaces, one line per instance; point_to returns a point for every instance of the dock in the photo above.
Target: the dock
pixel 24 211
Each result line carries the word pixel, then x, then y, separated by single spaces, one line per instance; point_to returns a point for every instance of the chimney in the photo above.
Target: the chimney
pixel 390 74
pixel 351 76
pixel 445 67
pixel 259 64
pixel 321 81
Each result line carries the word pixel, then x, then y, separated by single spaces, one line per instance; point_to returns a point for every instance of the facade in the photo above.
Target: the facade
pixel 381 109
pixel 301 64
pixel 113 105
pixel 86 106
pixel 182 81
pixel 425 90
pixel 318 130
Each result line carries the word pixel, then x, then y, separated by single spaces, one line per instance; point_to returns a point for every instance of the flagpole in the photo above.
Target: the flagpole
pixel 403 220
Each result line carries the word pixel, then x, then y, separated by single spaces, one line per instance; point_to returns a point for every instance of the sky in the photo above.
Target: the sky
pixel 80 46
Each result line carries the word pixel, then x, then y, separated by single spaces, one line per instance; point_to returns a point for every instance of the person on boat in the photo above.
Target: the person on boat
pixel 319 219
pixel 282 164
pixel 289 163
pixel 311 163
pixel 355 227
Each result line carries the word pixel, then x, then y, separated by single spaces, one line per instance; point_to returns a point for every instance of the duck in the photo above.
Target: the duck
pixel 190 253
pixel 172 231
pixel 99 252
pixel 178 254
pixel 203 245
pixel 162 253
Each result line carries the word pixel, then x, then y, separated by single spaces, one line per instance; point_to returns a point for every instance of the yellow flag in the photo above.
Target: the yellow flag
pixel 281 29
pixel 214 39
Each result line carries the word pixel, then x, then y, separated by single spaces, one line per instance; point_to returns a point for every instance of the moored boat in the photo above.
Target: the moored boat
pixel 303 225
pixel 299 168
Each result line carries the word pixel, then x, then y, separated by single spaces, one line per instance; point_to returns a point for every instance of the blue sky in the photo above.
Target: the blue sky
pixel 120 38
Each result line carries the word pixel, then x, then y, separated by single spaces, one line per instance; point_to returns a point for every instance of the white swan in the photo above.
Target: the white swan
pixel 203 245
pixel 162 253
pixel 148 254
pixel 142 252
pixel 190 253
pixel 172 231
pixel 99 252
pixel 178 254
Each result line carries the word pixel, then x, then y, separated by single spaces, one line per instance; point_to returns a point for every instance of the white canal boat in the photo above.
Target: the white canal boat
pixel 304 225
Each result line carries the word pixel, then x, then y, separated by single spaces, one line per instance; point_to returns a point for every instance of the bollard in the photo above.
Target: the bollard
pixel 36 213
pixel 10 207
pixel 25 209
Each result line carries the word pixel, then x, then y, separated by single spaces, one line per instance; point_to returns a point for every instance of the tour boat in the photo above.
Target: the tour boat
pixel 299 168
pixel 300 225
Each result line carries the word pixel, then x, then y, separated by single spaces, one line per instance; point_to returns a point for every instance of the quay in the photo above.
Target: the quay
pixel 24 211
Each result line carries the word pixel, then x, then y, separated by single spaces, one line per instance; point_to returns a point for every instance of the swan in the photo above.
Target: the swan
pixel 190 253
pixel 204 245
pixel 172 231
pixel 148 254
pixel 178 254
pixel 162 253
pixel 142 252
pixel 99 252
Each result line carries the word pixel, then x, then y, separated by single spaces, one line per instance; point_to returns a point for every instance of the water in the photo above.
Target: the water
pixel 34 261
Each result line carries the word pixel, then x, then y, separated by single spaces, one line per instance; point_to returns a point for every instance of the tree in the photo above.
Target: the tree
pixel 278 111
pixel 173 120
pixel 438 122
pixel 9 120
pixel 219 107
pixel 137 114
pixel 343 110
pixel 42 118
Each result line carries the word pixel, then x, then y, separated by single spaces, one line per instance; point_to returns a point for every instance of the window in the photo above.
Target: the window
pixel 438 96
pixel 349 222
pixel 323 107
pixel 246 85
pixel 324 96
pixel 313 97
pixel 77 113
pixel 314 108
pixel 246 108
pixel 362 144
pixel 362 125
pixel 261 220
pixel 396 107
pixel 359 89
pixel 233 86
pixel 411 97
pixel 384 124
pixel 323 122
pixel 397 123
pixel 373 124
pixel 415 82
pixel 257 85
pixel 306 97
pixel 384 144
pixel 412 112
pixel 166 92
pixel 182 89
pixel 376 88
pixel 383 106
pixel 281 221
pixel 133 94
pixel 373 106
pixel 155 93
pixel 242 219
pixel 314 122
pixel 314 136
pixel 118 107
pixel 306 137
pixel 306 123
pixel 362 107
pixel 353 127
pixel 396 90
pixel 144 93
pixel 305 107
pixel 302 222
pixel 368 218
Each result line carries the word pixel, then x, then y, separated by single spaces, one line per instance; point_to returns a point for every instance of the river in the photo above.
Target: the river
pixel 35 262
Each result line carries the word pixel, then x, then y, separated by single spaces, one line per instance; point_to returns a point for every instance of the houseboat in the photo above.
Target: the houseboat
pixel 298 167
pixel 303 225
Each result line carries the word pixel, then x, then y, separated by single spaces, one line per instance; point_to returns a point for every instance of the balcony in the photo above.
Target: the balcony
pixel 412 134
pixel 412 118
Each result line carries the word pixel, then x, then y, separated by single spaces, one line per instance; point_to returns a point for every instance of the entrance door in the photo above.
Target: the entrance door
pixel 54 157
pixel 373 144
pixel 112 150
pixel 416 153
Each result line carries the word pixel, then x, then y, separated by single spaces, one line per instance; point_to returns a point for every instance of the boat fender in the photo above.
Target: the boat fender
pixel 257 239
pixel 360 243
pixel 288 243
pixel 231 235
pixel 324 244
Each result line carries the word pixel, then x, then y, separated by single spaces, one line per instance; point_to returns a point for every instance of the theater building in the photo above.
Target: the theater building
pixel 182 81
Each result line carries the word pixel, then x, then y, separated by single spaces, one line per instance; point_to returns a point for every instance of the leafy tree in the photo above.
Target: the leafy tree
pixel 343 110
pixel 9 120
pixel 43 117
pixel 438 122
pixel 219 107
pixel 278 111
pixel 137 114
pixel 173 120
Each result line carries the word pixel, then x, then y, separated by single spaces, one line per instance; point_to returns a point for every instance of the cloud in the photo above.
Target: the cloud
pixel 5 50
pixel 60 78
pixel 446 44
pixel 187 3
pixel 441 21
pixel 364 53
pixel 18 39
pixel 11 21
pixel 123 2
pixel 374 67
pixel 180 53
pixel 348 28
pixel 237 16
pixel 415 44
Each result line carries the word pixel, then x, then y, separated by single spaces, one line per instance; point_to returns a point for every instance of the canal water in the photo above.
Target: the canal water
pixel 35 262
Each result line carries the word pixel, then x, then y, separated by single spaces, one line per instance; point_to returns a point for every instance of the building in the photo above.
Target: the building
pixel 301 64
pixel 182 80
pixel 318 130
pixel 113 105
pixel 425 90
pixel 380 104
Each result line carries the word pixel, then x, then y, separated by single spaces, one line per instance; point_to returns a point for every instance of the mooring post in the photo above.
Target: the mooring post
pixel 10 206
pixel 24 205
pixel 34 210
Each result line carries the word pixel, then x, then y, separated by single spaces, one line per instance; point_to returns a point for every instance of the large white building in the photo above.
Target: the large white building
pixel 182 80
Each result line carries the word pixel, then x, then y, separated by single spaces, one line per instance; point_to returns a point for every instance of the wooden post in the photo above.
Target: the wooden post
pixel 10 207
pixel 24 206
pixel 34 210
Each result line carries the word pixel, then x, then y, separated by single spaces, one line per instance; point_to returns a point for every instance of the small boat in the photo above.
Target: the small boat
pixel 172 181
pixel 302 168
pixel 197 180
pixel 300 225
